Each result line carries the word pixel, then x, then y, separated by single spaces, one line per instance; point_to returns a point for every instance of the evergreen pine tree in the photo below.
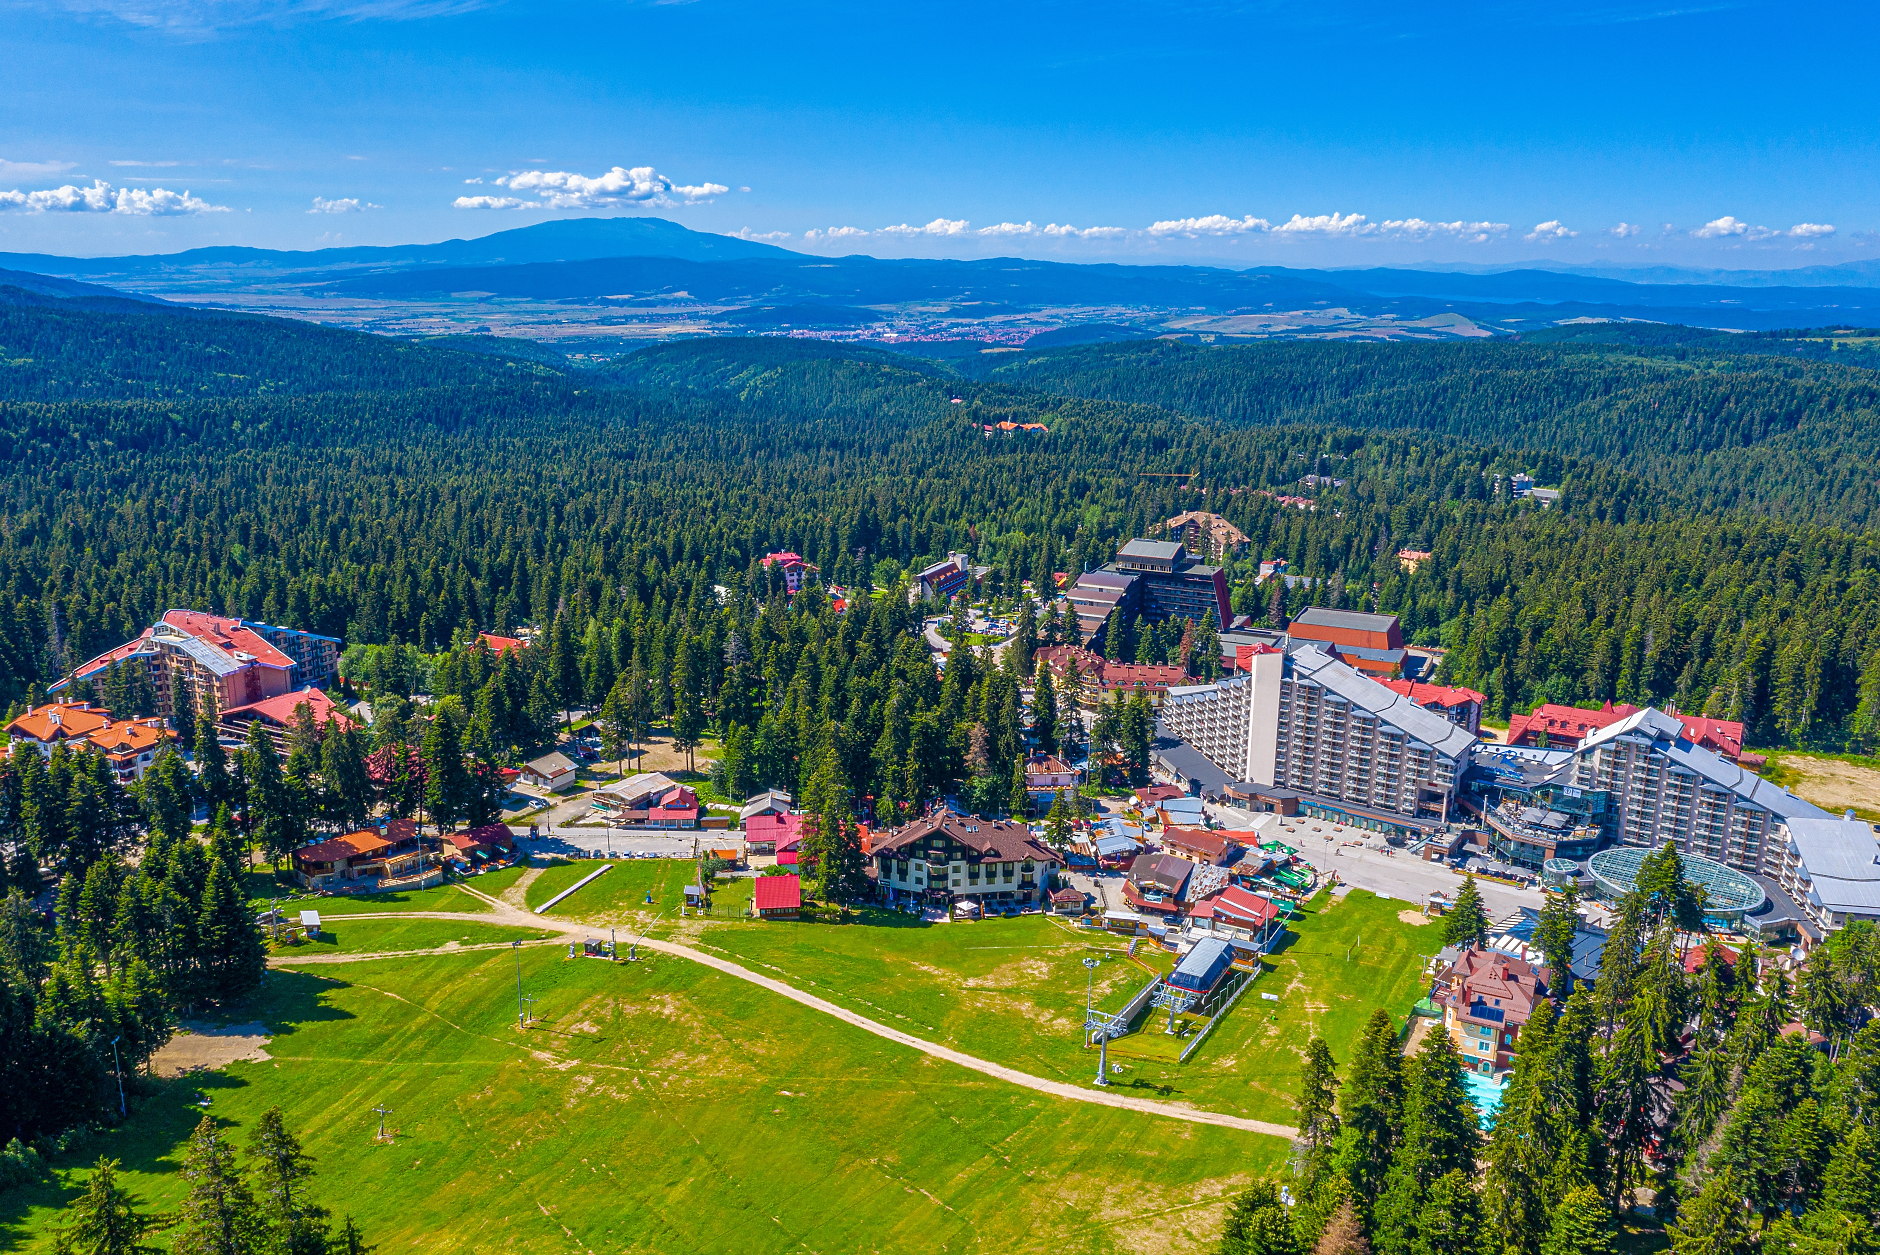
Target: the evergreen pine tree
pixel 182 710
pixel 219 1215
pixel 1370 1110
pixel 446 782
pixel 1450 1220
pixel 1257 1224
pixel 1343 1234
pixel 212 776
pixel 1467 922
pixel 281 1170
pixel 104 1220
pixel 1714 1223
pixel 232 957
pixel 1044 712
pixel 274 811
pixel 1581 1224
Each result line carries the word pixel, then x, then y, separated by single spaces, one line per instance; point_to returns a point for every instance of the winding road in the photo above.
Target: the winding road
pixel 502 912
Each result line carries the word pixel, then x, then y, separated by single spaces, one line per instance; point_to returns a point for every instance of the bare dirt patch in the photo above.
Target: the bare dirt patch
pixel 1834 785
pixel 1417 918
pixel 205 1048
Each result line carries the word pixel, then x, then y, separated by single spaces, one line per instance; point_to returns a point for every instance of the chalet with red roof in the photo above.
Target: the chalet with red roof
pixel 945 858
pixel 1486 997
pixel 777 897
pixel 1238 915
pixel 796 571
pixel 1199 845
pixel 478 847
pixel 1097 676
pixel 501 644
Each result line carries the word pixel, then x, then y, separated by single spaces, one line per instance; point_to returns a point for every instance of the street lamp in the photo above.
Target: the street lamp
pixel 119 1069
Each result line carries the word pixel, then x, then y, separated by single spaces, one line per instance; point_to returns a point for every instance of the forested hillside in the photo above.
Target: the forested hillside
pixel 1791 439
pixel 428 491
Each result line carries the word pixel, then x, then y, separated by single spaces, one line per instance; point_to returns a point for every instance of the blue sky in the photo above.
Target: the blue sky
pixel 1718 134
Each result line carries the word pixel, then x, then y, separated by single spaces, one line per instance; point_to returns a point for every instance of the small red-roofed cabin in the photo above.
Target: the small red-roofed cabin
pixel 676 808
pixel 501 644
pixel 479 847
pixel 777 897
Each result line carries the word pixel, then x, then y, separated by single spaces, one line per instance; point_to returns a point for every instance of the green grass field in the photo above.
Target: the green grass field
pixel 1013 991
pixel 661 1107
pixel 620 890
pixel 372 936
pixel 442 898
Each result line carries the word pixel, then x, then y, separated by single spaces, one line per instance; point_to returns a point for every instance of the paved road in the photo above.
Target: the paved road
pixel 504 913
pixel 1381 870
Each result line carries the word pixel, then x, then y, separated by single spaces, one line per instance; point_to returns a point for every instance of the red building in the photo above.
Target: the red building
pixel 1370 643
pixel 1564 727
pixel 796 571
pixel 777 897
pixel 1462 707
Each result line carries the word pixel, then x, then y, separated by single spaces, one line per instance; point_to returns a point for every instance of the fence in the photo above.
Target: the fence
pixel 1214 1019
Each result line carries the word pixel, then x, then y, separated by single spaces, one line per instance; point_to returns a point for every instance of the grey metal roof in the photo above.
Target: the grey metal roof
pixel 1393 708
pixel 218 663
pixel 1842 858
pixel 1667 734
pixel 1188 762
pixel 1159 550
pixel 1351 620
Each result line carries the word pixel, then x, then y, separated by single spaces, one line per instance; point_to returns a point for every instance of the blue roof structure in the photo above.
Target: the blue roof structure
pixel 1202 967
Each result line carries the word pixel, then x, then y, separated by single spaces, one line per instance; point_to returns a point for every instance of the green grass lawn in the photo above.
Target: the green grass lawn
pixel 442 898
pixel 660 1107
pixel 370 936
pixel 622 889
pixel 1013 991
pixel 560 875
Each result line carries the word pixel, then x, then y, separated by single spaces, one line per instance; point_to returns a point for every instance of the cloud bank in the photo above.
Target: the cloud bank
pixel 1729 227
pixel 102 198
pixel 618 188
pixel 348 205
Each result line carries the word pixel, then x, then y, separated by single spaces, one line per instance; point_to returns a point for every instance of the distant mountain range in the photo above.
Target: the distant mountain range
pixel 648 261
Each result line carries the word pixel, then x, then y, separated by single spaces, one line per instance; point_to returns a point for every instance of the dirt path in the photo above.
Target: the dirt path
pixel 517 894
pixel 519 917
pixel 206 1047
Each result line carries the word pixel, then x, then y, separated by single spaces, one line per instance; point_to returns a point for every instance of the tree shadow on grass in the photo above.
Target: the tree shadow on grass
pixel 166 1112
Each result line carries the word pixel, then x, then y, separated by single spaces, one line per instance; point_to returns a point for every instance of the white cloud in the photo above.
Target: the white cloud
pixel 496 202
pixel 1059 230
pixel 767 237
pixel 31 169
pixel 1624 231
pixel 1548 232
pixel 155 165
pixel 564 189
pixel 1212 224
pixel 1417 229
pixel 939 226
pixel 834 233
pixel 1810 230
pixel 1326 224
pixel 102 198
pixel 347 205
pixel 473 180
pixel 1731 227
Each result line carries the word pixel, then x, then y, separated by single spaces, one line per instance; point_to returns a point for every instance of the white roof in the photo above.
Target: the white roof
pixel 647 782
pixel 1842 861
pixel 552 765
pixel 1667 734
pixel 1393 708
pixel 310 919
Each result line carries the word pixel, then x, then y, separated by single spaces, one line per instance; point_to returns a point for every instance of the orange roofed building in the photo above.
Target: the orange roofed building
pixel 129 745
pixel 1462 707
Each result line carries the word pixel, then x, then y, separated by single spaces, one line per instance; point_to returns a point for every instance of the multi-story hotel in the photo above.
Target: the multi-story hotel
pixel 1307 722
pixel 1664 789
pixel 222 663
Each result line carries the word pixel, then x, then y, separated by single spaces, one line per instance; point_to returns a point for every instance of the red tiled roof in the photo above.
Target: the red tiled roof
pixel 777 893
pixel 1694 958
pixel 1435 694
pixel 228 635
pixel 1212 844
pixel 75 719
pixel 281 709
pixel 489 836
pixel 352 845
pixel 501 644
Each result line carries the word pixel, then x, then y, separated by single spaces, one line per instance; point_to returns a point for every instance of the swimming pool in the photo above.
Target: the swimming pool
pixel 1485 1094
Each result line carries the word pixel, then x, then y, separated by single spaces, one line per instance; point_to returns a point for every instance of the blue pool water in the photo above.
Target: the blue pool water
pixel 1485 1094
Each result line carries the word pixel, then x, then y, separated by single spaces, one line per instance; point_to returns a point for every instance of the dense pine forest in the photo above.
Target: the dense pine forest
pixel 388 492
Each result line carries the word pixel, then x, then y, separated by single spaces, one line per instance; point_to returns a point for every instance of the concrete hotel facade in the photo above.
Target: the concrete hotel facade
pixel 1308 722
